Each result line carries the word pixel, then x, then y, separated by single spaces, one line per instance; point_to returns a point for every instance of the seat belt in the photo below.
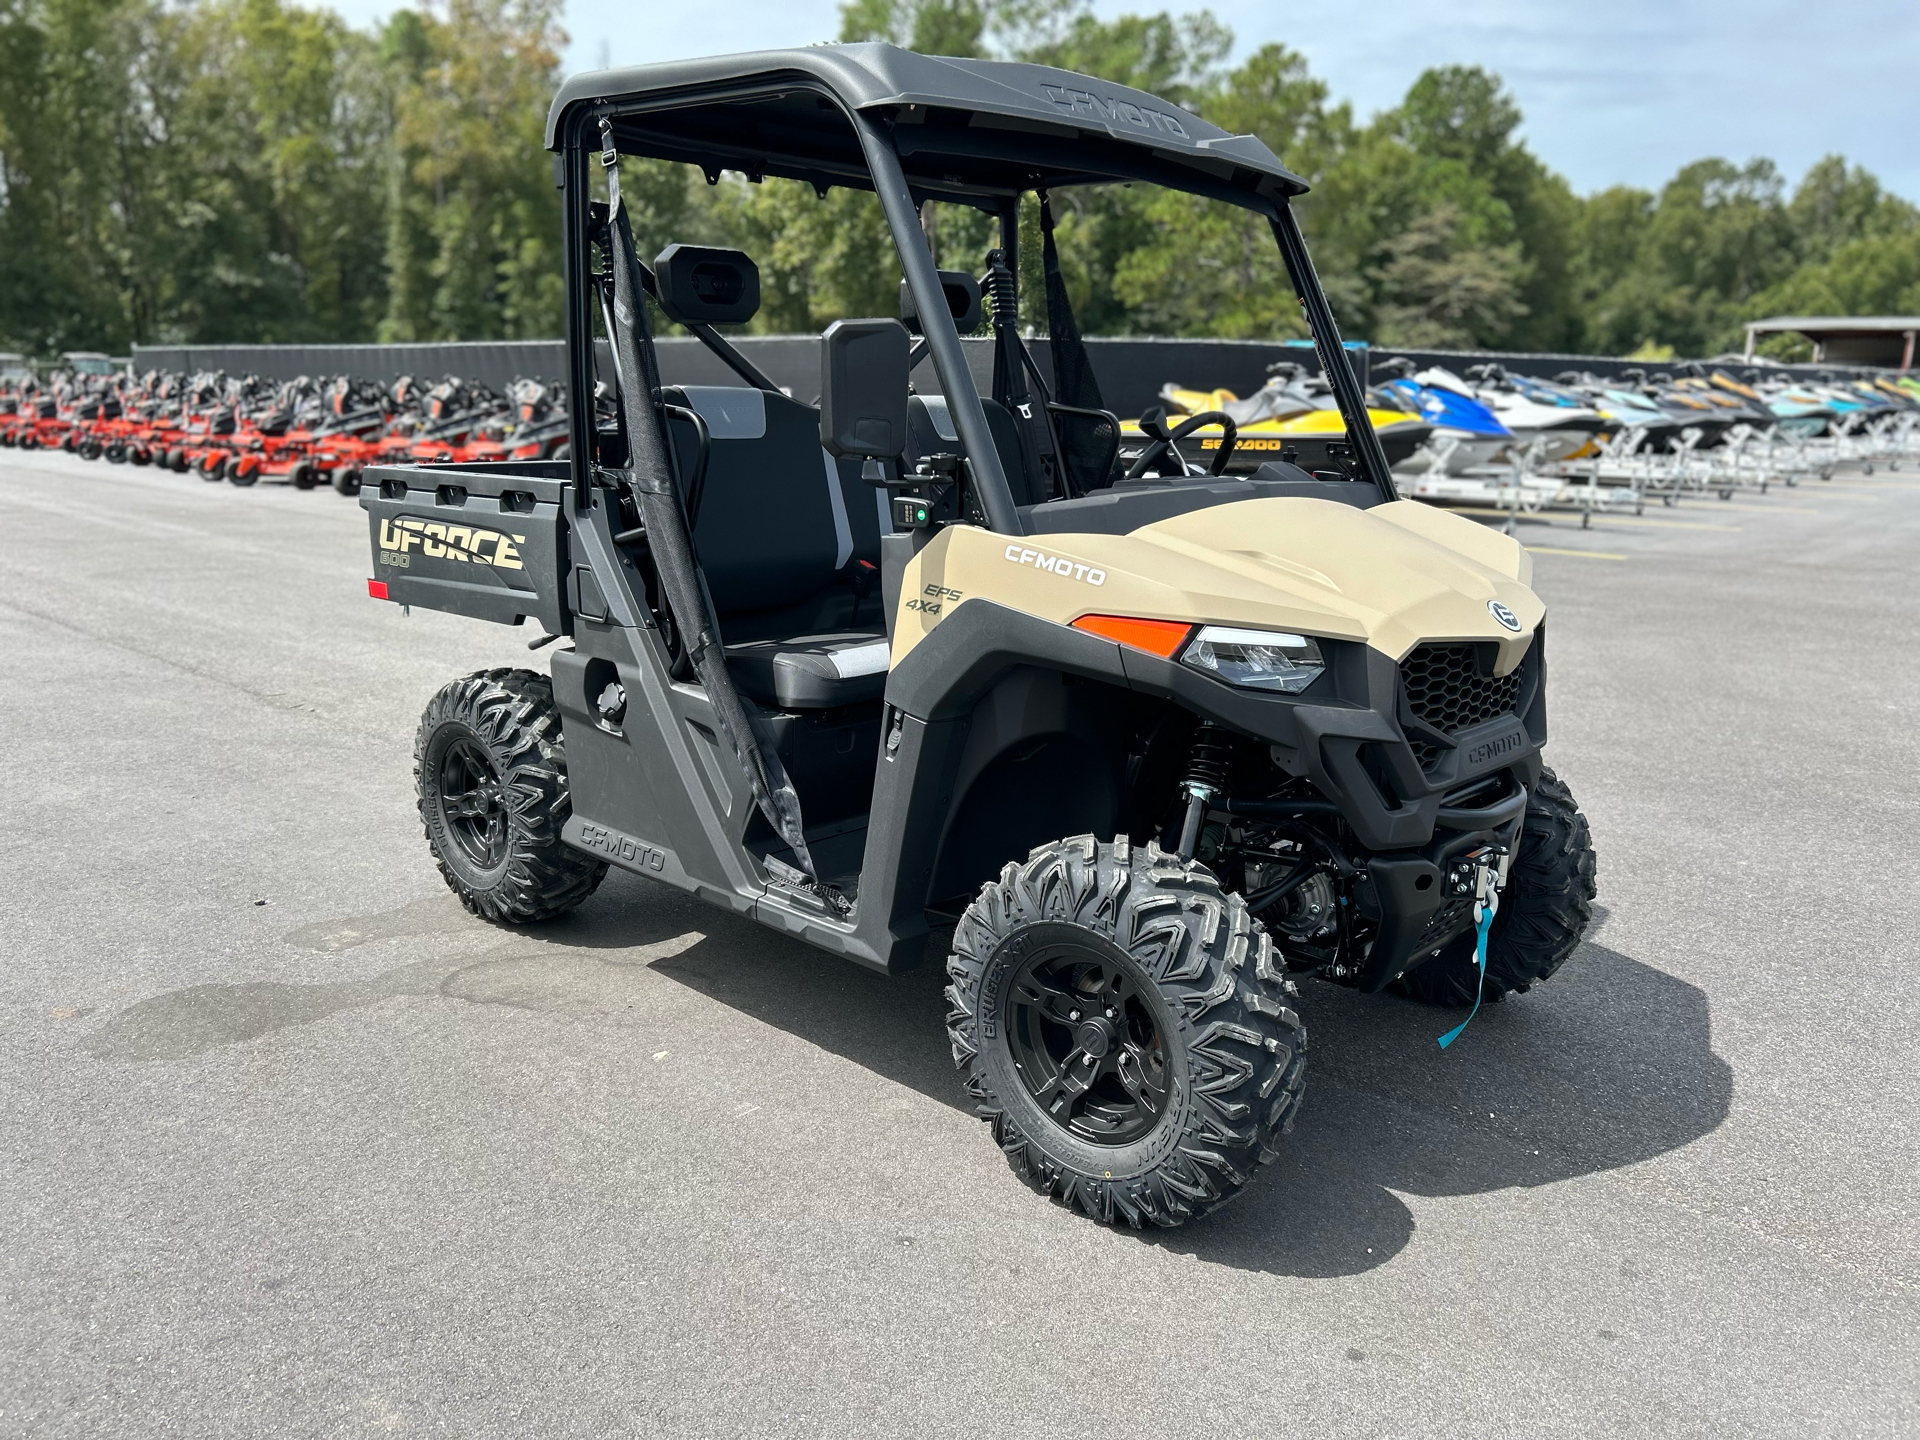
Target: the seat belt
pixel 1074 382
pixel 1039 454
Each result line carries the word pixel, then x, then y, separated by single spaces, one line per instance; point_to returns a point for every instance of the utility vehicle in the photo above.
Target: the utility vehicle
pixel 1139 745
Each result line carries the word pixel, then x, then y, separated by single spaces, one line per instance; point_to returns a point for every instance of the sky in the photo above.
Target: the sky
pixel 1623 94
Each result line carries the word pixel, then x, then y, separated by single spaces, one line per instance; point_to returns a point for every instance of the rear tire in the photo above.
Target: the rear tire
pixel 1542 915
pixel 492 780
pixel 1178 1061
pixel 346 481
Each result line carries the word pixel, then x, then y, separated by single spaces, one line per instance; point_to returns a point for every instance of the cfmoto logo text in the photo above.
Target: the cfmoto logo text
pixel 1056 565
pixel 1505 616
pixel 1106 107
pixel 623 847
pixel 1494 749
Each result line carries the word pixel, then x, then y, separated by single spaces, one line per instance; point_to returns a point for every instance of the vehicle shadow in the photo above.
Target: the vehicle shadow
pixel 1609 1064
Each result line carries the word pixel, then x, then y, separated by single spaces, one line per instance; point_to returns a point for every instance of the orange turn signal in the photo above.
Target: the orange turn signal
pixel 1156 637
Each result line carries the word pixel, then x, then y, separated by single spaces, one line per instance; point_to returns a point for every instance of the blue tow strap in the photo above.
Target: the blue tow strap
pixel 1480 961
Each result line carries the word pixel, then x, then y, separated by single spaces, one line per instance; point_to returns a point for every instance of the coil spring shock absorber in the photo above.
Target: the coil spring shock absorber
pixel 1002 294
pixel 1206 777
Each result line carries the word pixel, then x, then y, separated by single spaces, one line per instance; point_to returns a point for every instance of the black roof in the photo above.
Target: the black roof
pixel 966 129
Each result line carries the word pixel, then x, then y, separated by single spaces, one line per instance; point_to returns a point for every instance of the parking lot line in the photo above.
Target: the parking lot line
pixel 1662 523
pixel 1599 521
pixel 1583 554
pixel 1864 482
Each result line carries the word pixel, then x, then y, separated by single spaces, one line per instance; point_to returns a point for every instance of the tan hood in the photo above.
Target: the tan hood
pixel 1391 576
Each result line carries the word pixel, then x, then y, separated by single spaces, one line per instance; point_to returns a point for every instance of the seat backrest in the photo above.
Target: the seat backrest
pixel 931 431
pixel 780 520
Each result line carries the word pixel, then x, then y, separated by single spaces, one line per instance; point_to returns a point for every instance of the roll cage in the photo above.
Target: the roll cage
pixel 913 128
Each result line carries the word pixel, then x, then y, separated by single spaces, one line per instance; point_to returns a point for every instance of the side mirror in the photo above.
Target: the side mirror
pixel 700 285
pixel 963 302
pixel 863 388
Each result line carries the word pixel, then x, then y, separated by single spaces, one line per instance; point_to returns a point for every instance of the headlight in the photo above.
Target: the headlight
pixel 1258 659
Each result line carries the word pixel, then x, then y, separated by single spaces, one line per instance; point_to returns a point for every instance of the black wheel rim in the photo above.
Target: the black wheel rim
pixel 472 804
pixel 1087 1042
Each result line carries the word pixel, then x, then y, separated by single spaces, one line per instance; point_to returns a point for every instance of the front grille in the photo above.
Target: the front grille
pixel 1447 689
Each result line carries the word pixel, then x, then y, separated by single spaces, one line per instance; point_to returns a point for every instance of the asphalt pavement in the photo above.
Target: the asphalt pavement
pixel 292 1146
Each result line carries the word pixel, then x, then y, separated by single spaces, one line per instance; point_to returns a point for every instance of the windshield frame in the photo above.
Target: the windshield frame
pixel 880 135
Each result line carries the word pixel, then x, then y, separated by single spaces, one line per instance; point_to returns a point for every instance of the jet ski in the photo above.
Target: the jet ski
pixel 1644 425
pixel 1740 404
pixel 1292 417
pixel 1465 432
pixel 1553 422
pixel 1753 402
pixel 1901 392
pixel 1708 416
pixel 1805 410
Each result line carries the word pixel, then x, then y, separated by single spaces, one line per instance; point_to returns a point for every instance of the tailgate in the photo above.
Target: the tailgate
pixel 484 540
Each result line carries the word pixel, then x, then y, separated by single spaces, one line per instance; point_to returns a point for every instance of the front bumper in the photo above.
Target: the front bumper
pixel 1348 733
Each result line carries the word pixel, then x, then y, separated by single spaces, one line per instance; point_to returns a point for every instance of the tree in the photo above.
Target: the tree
pixel 1716 236
pixel 1175 57
pixel 71 189
pixel 473 245
pixel 260 170
pixel 1462 114
pixel 217 170
pixel 1436 293
pixel 933 27
pixel 1836 204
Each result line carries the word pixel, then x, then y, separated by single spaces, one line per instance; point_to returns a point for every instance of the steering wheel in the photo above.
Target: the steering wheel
pixel 1154 425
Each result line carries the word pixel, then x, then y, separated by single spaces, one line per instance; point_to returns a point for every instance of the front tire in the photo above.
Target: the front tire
pixel 1545 910
pixel 1126 1029
pixel 492 780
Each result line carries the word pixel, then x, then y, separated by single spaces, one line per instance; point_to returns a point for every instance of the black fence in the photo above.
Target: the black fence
pixel 1130 371
pixel 492 362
